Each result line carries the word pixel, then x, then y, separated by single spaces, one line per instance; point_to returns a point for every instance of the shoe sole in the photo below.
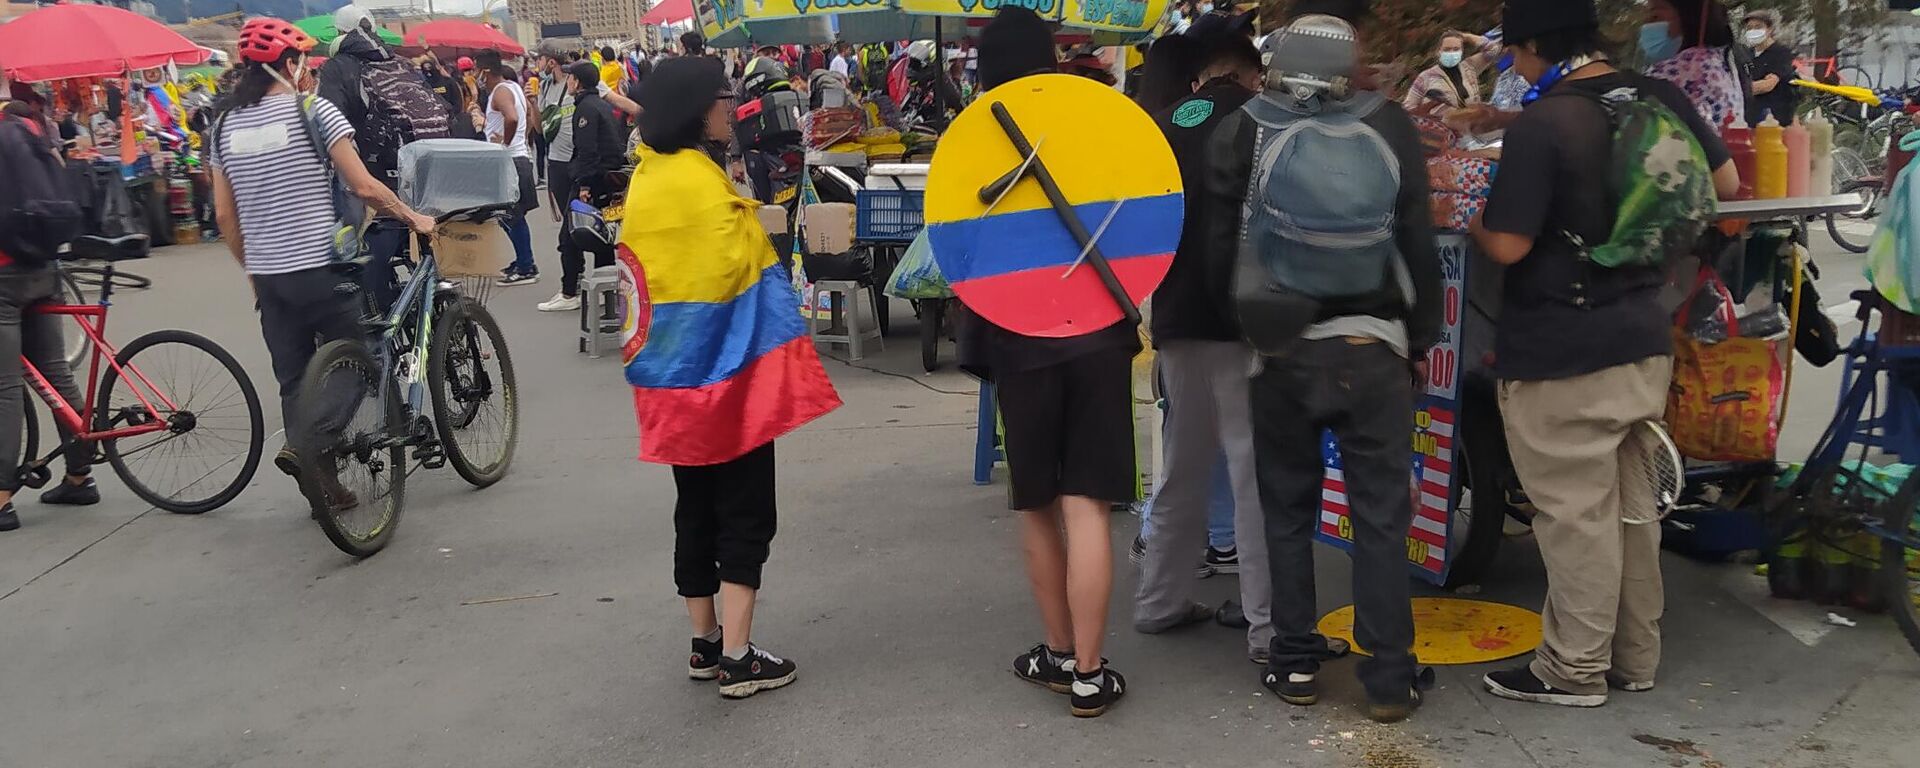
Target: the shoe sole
pixel 1630 687
pixel 1299 701
pixel 751 687
pixel 1225 570
pixel 1558 699
pixel 1386 715
pixel 1094 712
pixel 10 527
pixel 1055 687
pixel 574 308
pixel 709 673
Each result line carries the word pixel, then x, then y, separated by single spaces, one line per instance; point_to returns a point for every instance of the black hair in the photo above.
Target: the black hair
pixel 573 56
pixel 1234 51
pixel 1166 76
pixel 1716 32
pixel 674 102
pixel 694 43
pixel 1563 44
pixel 606 52
pixel 256 79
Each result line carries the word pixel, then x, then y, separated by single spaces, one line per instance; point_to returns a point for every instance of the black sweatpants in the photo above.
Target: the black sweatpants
pixel 1363 393
pixel 299 312
pixel 723 523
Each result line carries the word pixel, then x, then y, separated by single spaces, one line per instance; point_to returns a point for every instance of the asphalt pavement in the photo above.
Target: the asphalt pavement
pixel 133 637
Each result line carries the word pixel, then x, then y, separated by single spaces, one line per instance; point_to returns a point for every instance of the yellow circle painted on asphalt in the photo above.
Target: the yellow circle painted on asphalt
pixel 1449 630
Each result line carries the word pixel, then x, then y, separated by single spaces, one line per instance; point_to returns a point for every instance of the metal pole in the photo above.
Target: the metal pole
pixel 1040 174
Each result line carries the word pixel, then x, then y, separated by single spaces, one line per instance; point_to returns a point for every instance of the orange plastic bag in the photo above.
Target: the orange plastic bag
pixel 1727 398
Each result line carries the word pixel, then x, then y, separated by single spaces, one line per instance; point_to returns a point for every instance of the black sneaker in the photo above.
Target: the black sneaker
pixel 76 495
pixel 1385 712
pixel 704 664
pixel 1231 615
pixel 757 671
pixel 1094 693
pixel 1223 561
pixel 1045 667
pixel 1138 554
pixel 1296 688
pixel 9 520
pixel 1520 684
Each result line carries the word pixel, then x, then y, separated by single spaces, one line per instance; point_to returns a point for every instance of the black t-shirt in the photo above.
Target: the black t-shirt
pixel 1776 60
pixel 1195 301
pixel 1552 179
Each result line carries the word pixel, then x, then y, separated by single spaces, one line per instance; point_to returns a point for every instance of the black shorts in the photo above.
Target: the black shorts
pixel 529 195
pixel 1069 430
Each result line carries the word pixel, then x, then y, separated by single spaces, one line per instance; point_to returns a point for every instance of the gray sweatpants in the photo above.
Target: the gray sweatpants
pixel 1205 383
pixel 38 337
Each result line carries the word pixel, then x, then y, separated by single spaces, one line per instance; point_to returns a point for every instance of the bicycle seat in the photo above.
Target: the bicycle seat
pixel 121 248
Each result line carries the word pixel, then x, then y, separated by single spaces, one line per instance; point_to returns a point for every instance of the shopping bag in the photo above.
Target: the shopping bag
pixel 918 275
pixel 1728 396
pixel 1893 257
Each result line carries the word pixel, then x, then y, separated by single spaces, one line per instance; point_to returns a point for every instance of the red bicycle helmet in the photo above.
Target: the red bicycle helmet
pixel 265 40
pixel 465 64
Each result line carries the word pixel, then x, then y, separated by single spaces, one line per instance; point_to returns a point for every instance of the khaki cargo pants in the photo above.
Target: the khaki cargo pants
pixel 1604 595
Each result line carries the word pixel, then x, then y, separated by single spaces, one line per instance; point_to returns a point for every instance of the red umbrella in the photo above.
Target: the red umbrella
pixel 461 36
pixel 668 12
pixel 65 41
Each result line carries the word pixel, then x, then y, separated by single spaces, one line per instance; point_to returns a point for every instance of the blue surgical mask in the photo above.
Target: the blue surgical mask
pixel 1206 8
pixel 1450 59
pixel 1657 42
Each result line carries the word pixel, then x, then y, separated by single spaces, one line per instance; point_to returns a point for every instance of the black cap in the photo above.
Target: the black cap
pixel 1212 24
pixel 1350 11
pixel 1015 44
pixel 1529 19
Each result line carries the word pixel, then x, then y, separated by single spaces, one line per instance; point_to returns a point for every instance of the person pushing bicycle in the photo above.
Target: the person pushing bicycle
pixel 273 197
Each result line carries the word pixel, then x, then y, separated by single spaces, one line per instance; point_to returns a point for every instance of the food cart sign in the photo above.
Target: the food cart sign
pixel 1433 483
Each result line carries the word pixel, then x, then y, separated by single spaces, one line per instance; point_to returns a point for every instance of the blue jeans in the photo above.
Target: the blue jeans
pixel 1219 511
pixel 522 237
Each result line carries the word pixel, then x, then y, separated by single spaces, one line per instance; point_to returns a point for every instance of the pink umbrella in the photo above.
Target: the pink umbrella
pixel 66 41
pixel 459 36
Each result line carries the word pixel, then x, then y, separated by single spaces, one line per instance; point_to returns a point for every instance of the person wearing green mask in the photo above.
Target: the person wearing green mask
pixel 1454 82
pixel 1690 43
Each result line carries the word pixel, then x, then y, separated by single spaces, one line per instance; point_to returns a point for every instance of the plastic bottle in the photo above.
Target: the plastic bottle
pixel 1739 139
pixel 1799 164
pixel 1769 161
pixel 1820 151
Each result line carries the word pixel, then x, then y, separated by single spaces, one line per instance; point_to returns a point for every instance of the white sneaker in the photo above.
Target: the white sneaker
pixel 561 303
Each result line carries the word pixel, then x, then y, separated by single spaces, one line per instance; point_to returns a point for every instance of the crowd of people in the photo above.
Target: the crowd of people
pixel 1303 293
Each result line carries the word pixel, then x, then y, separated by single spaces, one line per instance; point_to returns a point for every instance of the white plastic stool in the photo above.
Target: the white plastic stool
pixel 843 324
pixel 599 296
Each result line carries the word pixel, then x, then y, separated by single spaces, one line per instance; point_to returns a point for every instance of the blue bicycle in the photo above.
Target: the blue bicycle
pixel 435 379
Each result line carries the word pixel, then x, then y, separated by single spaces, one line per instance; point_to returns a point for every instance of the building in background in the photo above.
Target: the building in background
pixel 599 20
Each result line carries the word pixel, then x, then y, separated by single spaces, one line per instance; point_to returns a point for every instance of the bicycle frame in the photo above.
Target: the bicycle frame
pixel 1867 365
pixel 92 319
pixel 416 298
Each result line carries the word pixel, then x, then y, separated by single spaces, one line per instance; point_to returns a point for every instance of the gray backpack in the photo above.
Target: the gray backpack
pixel 1320 213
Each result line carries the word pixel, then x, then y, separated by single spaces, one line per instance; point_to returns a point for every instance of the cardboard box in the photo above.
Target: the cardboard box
pixel 773 219
pixel 471 248
pixel 830 227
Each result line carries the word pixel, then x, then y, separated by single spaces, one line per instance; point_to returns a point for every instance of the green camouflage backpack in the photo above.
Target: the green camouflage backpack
pixel 1658 182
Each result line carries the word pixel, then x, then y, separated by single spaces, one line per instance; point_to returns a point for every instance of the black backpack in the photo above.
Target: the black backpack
pixel 400 110
pixel 39 210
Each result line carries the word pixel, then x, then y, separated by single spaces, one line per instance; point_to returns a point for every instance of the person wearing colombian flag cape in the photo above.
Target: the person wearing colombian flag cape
pixel 720 362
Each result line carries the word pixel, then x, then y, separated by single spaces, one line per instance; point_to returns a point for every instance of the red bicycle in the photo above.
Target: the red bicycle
pixel 173 413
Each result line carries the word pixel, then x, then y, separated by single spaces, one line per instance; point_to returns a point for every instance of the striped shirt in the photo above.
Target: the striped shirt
pixel 279 185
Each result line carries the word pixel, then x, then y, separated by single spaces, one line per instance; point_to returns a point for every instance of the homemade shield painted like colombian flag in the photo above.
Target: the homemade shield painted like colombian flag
pixel 1010 262
pixel 716 350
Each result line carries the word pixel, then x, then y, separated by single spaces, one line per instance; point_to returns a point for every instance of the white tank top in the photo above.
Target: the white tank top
pixel 497 121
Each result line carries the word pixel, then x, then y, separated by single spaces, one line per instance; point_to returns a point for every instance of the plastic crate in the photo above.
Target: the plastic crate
pixel 889 215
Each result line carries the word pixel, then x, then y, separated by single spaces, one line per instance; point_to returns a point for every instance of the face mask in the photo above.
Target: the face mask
pixel 1657 43
pixel 1450 59
pixel 1206 8
pixel 1756 36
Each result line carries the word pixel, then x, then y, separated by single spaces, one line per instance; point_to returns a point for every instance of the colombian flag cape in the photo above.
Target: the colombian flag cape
pixel 716 350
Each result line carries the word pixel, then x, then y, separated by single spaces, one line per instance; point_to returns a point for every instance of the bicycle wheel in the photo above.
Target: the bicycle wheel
pixel 1481 507
pixel 211 445
pixel 78 345
pixel 1855 76
pixel 1900 561
pixel 353 467
pixel 476 409
pixel 1852 231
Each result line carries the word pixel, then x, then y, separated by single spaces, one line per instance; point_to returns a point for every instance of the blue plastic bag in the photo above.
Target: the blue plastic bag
pixel 918 275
